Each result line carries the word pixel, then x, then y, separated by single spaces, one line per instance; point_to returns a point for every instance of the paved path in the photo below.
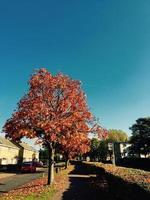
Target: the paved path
pixel 6 175
pixel 9 183
pixel 84 186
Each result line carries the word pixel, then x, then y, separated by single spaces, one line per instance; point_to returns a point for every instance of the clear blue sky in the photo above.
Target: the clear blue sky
pixel 105 44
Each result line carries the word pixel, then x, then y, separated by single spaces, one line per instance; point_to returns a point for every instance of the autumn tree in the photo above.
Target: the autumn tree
pixel 75 144
pixel 53 110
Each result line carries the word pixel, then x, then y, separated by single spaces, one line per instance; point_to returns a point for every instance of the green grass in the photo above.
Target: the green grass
pixel 46 195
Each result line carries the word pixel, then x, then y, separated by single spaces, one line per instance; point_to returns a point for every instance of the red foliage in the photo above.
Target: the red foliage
pixel 55 111
pixel 74 144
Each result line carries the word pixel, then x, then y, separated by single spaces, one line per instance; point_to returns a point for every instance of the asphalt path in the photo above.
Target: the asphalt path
pixel 10 183
pixel 86 185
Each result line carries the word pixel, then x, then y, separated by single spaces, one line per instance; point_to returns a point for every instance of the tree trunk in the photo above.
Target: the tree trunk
pixel 66 161
pixel 139 155
pixel 50 166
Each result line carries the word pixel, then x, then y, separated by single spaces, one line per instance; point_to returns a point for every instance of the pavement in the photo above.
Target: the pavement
pixel 82 184
pixel 5 175
pixel 13 181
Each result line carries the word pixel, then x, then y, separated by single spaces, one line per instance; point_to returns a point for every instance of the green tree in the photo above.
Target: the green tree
pixel 115 135
pixel 43 154
pixel 99 149
pixel 102 150
pixel 140 138
pixel 94 149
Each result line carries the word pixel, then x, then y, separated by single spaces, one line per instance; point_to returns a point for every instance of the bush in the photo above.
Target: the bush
pixel 138 163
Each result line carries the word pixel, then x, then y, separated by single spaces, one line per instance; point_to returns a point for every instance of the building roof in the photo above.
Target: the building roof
pixel 26 146
pixel 17 145
pixel 6 142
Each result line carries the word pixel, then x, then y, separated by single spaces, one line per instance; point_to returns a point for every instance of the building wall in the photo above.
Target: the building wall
pixel 124 149
pixel 27 155
pixel 8 155
pixel 36 156
pixel 16 155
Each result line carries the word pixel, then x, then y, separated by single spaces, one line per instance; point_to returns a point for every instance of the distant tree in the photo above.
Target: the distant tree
pixel 94 149
pixel 140 138
pixel 103 150
pixel 98 149
pixel 43 154
pixel 116 136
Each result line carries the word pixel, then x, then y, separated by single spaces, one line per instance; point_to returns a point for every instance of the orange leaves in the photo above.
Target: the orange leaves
pixel 75 143
pixel 53 137
pixel 99 131
pixel 38 190
pixel 129 175
pixel 102 133
pixel 34 187
pixel 54 107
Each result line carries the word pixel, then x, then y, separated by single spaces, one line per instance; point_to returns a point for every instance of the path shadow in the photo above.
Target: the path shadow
pixel 91 183
pixel 86 185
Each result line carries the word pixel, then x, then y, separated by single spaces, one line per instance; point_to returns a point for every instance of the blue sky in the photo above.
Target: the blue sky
pixel 105 44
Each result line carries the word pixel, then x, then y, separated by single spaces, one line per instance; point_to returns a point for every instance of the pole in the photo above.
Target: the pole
pixel 114 156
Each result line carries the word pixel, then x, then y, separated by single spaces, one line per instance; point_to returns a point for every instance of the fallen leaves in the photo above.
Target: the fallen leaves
pixel 38 189
pixel 140 177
